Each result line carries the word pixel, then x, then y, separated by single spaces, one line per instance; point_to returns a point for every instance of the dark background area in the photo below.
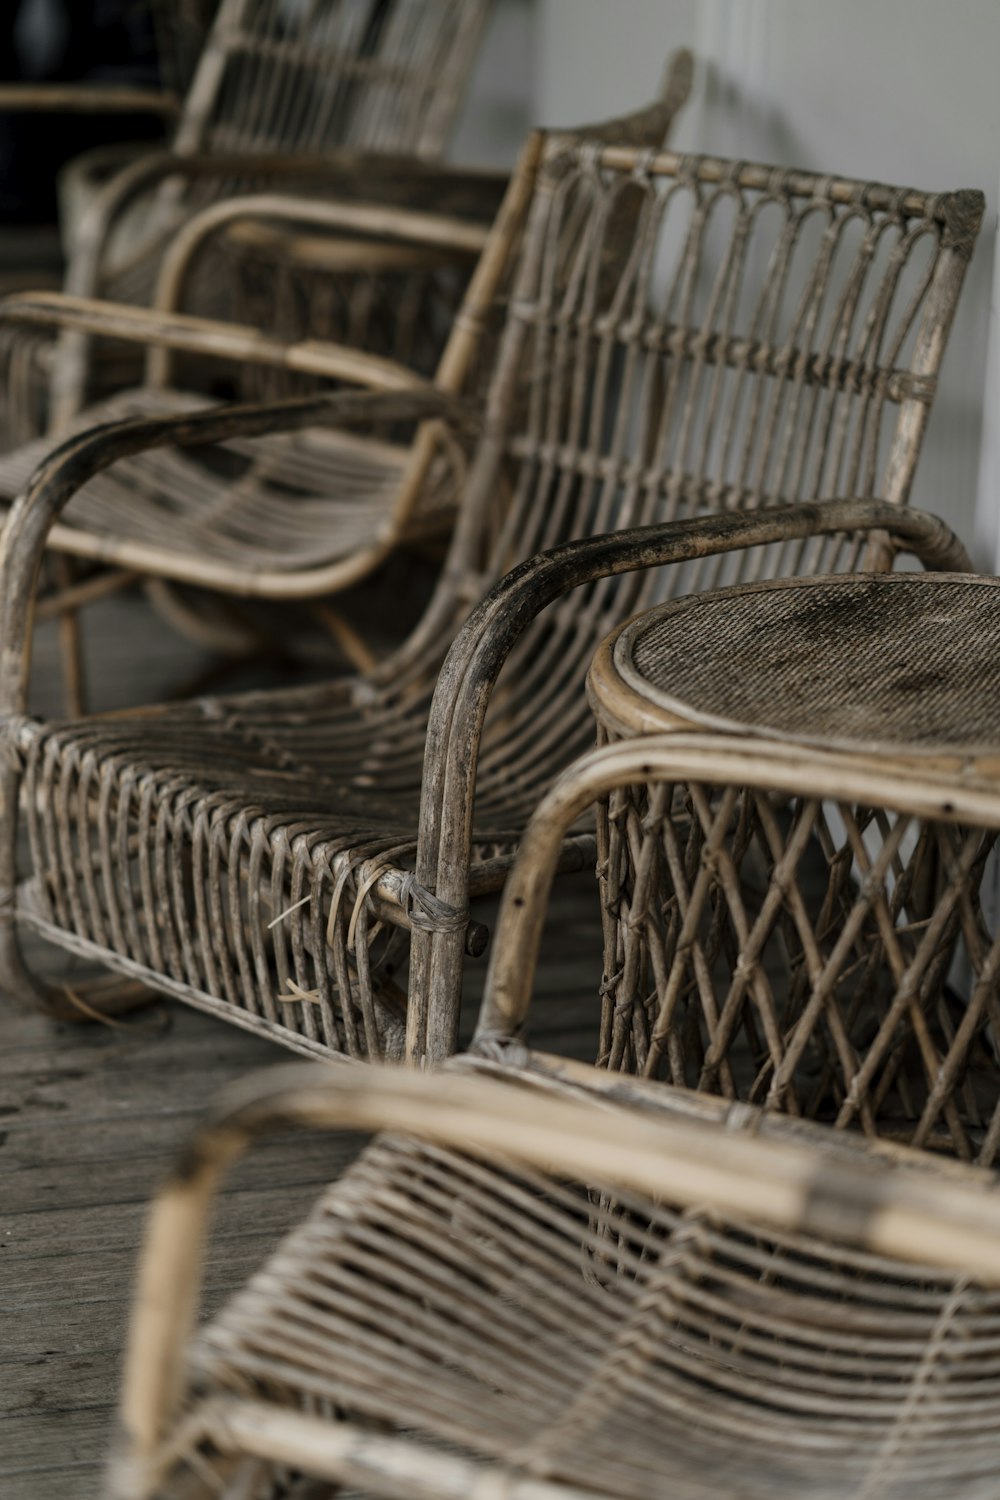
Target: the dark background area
pixel 70 41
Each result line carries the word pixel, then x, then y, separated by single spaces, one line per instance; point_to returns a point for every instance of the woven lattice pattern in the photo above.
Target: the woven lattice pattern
pixel 371 74
pixel 897 658
pixel 608 1344
pixel 226 864
pixel 821 958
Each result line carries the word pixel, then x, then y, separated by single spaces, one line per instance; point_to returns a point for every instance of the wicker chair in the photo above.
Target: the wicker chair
pixel 276 89
pixel 542 1279
pixel 268 857
pixel 302 516
pixel 306 517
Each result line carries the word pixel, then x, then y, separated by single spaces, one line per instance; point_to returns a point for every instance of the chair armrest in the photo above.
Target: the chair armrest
pixel 345 172
pixel 181 331
pixel 936 1217
pixel 74 462
pixel 486 639
pixel 334 253
pixel 389 232
pixel 85 99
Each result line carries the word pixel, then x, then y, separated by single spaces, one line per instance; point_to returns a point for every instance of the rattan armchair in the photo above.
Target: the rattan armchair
pixel 270 857
pixel 302 517
pixel 543 1279
pixel 276 90
pixel 296 516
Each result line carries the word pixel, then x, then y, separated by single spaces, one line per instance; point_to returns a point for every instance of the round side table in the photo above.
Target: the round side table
pixel 831 959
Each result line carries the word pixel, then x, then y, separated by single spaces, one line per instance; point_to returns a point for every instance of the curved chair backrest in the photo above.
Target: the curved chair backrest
pixel 775 336
pixel 376 75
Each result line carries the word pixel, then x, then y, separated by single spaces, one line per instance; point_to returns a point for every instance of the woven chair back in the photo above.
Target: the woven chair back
pixel 365 74
pixel 689 335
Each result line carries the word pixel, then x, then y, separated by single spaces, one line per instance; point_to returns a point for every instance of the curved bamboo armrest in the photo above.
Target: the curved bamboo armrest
pixel 492 630
pixel 334 168
pixel 57 479
pixel 392 233
pixel 340 172
pixel 336 254
pixel 194 335
pixel 86 99
pixel 403 227
pixel 942 1217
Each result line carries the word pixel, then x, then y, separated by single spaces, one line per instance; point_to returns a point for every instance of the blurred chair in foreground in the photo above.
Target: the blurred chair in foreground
pixel 546 1280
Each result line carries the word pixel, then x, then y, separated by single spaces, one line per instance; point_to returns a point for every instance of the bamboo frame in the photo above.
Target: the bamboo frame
pixel 410 760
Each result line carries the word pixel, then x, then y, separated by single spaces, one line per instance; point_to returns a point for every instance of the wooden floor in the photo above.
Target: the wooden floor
pixel 91 1116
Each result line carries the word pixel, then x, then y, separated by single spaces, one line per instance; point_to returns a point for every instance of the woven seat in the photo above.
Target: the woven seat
pixel 294 508
pixel 615 1352
pixel 543 1279
pixel 583 433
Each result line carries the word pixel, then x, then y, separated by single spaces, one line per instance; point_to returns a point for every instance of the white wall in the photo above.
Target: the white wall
pixel 499 106
pixel 898 90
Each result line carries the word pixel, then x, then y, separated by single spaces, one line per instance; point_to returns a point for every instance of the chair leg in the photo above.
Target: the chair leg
pixel 95 1000
pixel 70 645
pixel 353 648
pixel 16 978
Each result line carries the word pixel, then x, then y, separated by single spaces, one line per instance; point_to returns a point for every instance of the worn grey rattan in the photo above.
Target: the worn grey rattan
pixel 268 857
pixel 546 1280
pixel 834 955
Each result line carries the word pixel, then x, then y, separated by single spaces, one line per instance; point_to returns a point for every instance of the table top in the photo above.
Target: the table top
pixel 908 661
